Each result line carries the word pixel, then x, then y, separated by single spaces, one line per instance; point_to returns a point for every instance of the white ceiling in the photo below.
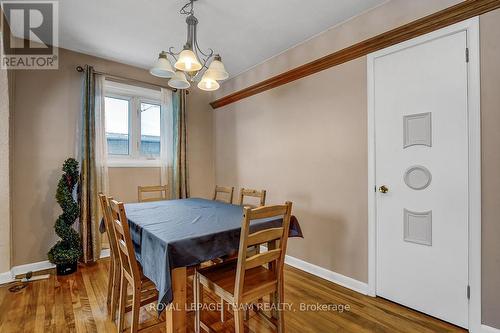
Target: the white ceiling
pixel 245 33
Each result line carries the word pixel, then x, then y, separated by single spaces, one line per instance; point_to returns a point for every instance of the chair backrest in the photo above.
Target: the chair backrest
pixel 130 268
pixel 246 192
pixel 161 190
pixel 224 189
pixel 275 239
pixel 108 218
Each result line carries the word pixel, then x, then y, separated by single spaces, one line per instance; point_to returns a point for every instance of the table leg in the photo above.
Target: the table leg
pixel 176 313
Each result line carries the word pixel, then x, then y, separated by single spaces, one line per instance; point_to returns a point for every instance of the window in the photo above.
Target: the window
pixel 133 130
pixel 150 129
pixel 117 125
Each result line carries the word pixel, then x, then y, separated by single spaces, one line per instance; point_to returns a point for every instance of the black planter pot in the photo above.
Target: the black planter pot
pixel 65 269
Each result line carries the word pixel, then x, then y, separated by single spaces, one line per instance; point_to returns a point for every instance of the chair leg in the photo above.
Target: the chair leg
pixel 200 293
pixel 109 297
pixel 196 292
pixel 239 326
pixel 222 310
pixel 136 308
pixel 280 311
pixel 115 291
pixel 246 315
pixel 273 299
pixel 123 303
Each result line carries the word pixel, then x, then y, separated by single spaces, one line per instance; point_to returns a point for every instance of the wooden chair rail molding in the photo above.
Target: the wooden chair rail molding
pixel 438 20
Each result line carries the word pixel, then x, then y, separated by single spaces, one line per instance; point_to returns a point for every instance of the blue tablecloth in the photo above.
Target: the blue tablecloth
pixel 182 233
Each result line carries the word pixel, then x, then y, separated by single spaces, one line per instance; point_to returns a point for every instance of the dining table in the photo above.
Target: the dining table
pixel 170 236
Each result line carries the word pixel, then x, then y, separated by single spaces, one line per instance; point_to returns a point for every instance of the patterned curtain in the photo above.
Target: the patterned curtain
pixel 166 144
pixel 179 182
pixel 92 176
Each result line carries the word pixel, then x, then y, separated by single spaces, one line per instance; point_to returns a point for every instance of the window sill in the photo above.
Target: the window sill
pixel 114 163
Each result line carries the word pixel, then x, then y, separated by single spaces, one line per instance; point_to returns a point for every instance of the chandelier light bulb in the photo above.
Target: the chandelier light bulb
pixel 207 83
pixel 188 62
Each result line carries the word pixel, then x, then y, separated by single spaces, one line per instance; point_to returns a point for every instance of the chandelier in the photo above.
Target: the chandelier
pixel 190 65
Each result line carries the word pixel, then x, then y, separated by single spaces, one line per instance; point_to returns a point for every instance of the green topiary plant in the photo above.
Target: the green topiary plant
pixel 68 249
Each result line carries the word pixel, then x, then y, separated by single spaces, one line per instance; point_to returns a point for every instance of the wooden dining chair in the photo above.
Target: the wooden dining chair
pixel 246 192
pixel 160 190
pixel 143 290
pixel 248 279
pixel 114 268
pixel 224 190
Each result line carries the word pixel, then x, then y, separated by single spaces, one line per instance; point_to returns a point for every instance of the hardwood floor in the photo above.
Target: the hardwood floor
pixel 77 303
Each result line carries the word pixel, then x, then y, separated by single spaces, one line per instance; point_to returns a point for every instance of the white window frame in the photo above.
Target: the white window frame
pixel 135 95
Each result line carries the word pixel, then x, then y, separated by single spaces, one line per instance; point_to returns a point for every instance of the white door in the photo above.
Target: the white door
pixel 421 162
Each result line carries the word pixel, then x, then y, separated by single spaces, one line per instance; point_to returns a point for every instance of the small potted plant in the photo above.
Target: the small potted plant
pixel 65 253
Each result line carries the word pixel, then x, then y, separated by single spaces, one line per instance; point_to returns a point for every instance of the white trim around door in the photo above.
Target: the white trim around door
pixel 474 138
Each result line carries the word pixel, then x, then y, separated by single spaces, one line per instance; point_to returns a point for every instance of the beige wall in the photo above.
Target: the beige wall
pixel 200 144
pixel 490 113
pixel 307 142
pixel 47 103
pixel 322 120
pixel 123 182
pixel 4 172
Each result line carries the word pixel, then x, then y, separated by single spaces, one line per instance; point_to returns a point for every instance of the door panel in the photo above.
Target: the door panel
pixel 421 148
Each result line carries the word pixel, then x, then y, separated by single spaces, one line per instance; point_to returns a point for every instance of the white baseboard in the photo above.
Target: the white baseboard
pixel 33 267
pixel 9 276
pixel 6 277
pixel 488 329
pixel 344 281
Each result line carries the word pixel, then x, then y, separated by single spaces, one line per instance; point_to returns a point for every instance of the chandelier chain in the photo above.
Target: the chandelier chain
pixel 185 11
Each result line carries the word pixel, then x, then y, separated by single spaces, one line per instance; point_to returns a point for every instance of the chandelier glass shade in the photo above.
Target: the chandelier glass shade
pixel 179 81
pixel 162 67
pixel 191 64
pixel 216 69
pixel 207 83
pixel 188 61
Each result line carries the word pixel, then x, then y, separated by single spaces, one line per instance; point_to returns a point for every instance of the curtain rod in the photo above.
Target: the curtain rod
pixel 126 79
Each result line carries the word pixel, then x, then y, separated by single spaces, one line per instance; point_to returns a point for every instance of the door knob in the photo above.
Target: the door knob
pixel 383 189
